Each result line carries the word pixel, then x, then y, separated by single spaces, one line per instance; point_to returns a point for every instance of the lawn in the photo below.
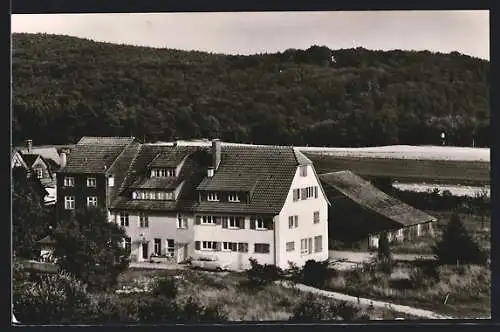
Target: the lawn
pixel 269 303
pixel 466 289
pixel 407 170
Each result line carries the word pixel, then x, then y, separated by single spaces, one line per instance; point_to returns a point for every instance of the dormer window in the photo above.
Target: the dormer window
pixel 233 197
pixel 153 195
pixel 163 172
pixel 212 197
pixel 91 182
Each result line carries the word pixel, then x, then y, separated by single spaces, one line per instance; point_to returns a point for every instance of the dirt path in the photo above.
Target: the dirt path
pixel 378 304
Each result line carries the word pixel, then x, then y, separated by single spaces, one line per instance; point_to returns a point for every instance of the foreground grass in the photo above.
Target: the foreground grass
pixel 434 171
pixel 242 303
pixel 466 289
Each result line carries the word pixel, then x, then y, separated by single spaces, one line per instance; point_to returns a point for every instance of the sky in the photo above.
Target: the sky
pixel 466 32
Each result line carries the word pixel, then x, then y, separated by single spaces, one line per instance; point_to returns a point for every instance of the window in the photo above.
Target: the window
pixel 69 181
pixel 124 219
pixel 127 244
pixel 261 248
pixel 170 247
pixel 400 233
pixel 243 247
pixel 212 197
pixel 111 181
pixel 318 243
pixel 260 224
pixel 233 197
pixel 181 221
pixel 91 182
pixel 92 201
pixel 316 192
pixel 208 220
pixel 296 195
pixel 307 192
pixel 162 172
pixel 39 173
pixel 306 246
pixel 209 245
pixel 230 246
pixel 419 230
pixel 233 222
pixel 69 202
pixel 290 246
pixel 293 222
pixel 303 170
pixel 143 220
pixel 157 247
pixel 316 217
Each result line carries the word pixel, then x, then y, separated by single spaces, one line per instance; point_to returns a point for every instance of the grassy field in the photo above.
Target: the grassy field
pixel 407 170
pixel 467 289
pixel 270 303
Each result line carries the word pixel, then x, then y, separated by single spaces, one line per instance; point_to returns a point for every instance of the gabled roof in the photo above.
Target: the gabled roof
pixel 47 152
pixel 266 172
pixel 369 197
pixel 30 158
pixel 95 154
pixel 168 159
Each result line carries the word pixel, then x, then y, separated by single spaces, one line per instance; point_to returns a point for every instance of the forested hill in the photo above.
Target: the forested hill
pixel 66 87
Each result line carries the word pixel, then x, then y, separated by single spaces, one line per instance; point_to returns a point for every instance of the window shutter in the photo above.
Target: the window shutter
pixel 224 222
pixel 252 223
pixel 303 193
pixel 218 220
pixel 310 245
pixel 269 223
pixel 295 195
pixel 198 220
pixel 296 221
pixel 245 247
pixel 241 222
pixel 316 192
pixel 197 245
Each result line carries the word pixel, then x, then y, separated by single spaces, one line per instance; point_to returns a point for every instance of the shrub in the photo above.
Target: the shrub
pixel 385 266
pixel 294 273
pixel 157 309
pixel 165 286
pixel 55 298
pixel 261 275
pixel 384 249
pixel 193 311
pixel 114 308
pixel 315 273
pixel 457 247
pixel 312 309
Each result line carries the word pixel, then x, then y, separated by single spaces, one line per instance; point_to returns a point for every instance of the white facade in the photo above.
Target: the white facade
pixel 306 228
pixel 189 242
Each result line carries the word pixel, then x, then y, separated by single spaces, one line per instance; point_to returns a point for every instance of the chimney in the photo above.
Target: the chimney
pixel 29 144
pixel 216 154
pixel 63 158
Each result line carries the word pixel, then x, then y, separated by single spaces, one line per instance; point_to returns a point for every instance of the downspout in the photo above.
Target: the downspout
pixel 275 243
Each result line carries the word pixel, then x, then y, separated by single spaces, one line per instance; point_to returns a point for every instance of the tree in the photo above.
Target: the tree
pixel 30 219
pixel 456 246
pixel 384 249
pixel 90 247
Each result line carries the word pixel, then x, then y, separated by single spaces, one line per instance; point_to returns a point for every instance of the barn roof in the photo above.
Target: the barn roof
pixel 369 197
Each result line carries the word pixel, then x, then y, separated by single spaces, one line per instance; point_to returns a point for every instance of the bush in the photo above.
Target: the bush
pixel 114 308
pixel 165 286
pixel 54 298
pixel 261 275
pixel 315 273
pixel 384 249
pixel 193 311
pixel 294 273
pixel 312 309
pixel 457 247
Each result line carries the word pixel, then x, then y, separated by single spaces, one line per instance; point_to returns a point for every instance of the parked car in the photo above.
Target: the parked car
pixel 209 263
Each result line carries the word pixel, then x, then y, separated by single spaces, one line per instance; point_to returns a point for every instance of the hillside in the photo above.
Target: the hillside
pixel 66 87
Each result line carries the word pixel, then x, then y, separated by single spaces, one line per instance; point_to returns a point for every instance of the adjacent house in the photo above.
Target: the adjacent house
pixel 360 212
pixel 227 202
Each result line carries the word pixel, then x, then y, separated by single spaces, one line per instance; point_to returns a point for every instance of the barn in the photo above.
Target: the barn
pixel 360 212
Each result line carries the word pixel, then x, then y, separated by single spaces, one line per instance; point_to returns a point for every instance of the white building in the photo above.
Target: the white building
pixel 228 202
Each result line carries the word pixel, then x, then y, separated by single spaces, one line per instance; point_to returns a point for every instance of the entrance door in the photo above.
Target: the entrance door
pixel 145 251
pixel 181 253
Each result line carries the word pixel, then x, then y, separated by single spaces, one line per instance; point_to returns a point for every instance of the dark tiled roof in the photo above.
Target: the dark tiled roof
pixel 369 197
pixel 120 141
pixel 170 159
pixel 47 152
pixel 266 172
pixel 157 183
pixel 301 158
pixel 95 154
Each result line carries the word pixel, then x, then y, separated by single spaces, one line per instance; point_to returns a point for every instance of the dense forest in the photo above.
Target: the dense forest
pixel 66 87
